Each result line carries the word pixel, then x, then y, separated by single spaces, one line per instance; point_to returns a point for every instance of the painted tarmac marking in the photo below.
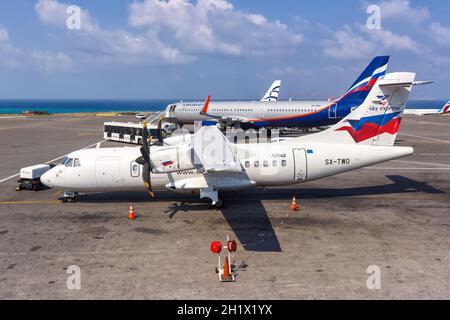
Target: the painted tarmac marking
pixel 428 163
pixel 389 168
pixel 9 178
pixel 17 174
pixel 30 202
pixel 425 138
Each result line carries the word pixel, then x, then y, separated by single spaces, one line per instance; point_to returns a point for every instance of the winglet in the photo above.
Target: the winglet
pixel 205 106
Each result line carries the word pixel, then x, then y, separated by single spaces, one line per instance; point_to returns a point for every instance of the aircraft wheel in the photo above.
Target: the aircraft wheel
pixel 217 205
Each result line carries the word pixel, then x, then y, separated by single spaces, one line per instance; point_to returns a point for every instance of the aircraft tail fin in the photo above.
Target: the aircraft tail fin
pixel 377 120
pixel 273 92
pixel 360 89
pixel 446 108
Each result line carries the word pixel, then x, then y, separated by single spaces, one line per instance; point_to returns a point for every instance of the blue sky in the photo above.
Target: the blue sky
pixel 229 49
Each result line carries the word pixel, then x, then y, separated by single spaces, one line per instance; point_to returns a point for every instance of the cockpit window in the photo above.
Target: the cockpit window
pixel 76 163
pixel 69 162
pixel 64 160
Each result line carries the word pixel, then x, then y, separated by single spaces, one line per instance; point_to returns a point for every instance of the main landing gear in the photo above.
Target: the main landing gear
pixel 213 198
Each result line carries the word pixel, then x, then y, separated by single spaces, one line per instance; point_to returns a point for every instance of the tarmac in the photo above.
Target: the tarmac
pixel 394 216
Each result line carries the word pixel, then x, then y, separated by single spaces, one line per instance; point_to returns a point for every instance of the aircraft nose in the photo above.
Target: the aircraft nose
pixel 46 178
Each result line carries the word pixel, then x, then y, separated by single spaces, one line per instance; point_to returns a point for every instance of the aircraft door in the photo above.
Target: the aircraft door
pixel 300 165
pixel 332 111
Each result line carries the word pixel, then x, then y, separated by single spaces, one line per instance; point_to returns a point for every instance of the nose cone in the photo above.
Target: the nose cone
pixel 46 178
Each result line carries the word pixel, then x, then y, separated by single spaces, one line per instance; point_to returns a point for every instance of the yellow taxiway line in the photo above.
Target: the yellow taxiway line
pixel 30 202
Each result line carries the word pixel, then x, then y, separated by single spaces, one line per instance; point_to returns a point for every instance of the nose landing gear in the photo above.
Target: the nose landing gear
pixel 70 196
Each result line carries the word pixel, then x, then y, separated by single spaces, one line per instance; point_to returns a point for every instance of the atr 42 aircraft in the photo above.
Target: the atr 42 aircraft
pixel 282 113
pixel 425 112
pixel 364 138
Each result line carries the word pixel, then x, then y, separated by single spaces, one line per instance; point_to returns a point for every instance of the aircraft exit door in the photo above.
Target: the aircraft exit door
pixel 332 111
pixel 300 165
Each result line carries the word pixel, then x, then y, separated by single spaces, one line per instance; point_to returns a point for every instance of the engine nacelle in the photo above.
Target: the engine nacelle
pixel 172 159
pixel 177 140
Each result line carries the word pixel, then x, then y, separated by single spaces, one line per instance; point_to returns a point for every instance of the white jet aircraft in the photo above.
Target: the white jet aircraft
pixel 282 114
pixel 208 164
pixel 426 112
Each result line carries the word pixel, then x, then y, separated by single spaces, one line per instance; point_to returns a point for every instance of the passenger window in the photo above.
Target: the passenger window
pixel 76 163
pixel 247 164
pixel 266 164
pixel 284 163
pixel 256 164
pixel 275 163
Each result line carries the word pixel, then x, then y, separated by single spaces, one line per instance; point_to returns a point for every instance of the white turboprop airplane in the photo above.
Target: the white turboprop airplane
pixel 426 112
pixel 365 137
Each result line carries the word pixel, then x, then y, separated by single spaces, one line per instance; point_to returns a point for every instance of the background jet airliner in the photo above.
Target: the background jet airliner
pixel 423 112
pixel 271 95
pixel 365 137
pixel 258 114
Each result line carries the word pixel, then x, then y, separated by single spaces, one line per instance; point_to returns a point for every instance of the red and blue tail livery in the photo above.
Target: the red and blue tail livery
pixel 338 109
pixel 446 108
pixel 370 127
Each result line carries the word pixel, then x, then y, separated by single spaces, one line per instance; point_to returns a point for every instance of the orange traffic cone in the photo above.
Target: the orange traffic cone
pixel 131 215
pixel 294 206
pixel 226 270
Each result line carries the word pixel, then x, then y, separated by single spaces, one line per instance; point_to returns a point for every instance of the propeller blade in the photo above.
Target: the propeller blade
pixel 140 160
pixel 159 132
pixel 145 161
pixel 147 181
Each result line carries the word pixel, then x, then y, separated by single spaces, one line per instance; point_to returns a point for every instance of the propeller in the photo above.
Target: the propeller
pixel 145 161
pixel 159 134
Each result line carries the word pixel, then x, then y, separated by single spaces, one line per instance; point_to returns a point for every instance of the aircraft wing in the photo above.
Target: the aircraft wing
pixel 213 152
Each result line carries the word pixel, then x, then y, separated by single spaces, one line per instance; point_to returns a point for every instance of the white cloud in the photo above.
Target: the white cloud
pixel 97 45
pixel 214 26
pixel 54 13
pixel 284 71
pixel 170 32
pixel 9 55
pixel 360 44
pixel 346 44
pixel 402 9
pixel 390 41
pixel 52 62
pixel 14 58
pixel 440 34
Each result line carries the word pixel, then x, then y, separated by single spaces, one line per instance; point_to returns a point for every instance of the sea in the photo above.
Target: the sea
pixel 149 105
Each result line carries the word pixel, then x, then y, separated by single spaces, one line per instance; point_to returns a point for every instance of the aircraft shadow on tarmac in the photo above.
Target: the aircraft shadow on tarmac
pixel 251 223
